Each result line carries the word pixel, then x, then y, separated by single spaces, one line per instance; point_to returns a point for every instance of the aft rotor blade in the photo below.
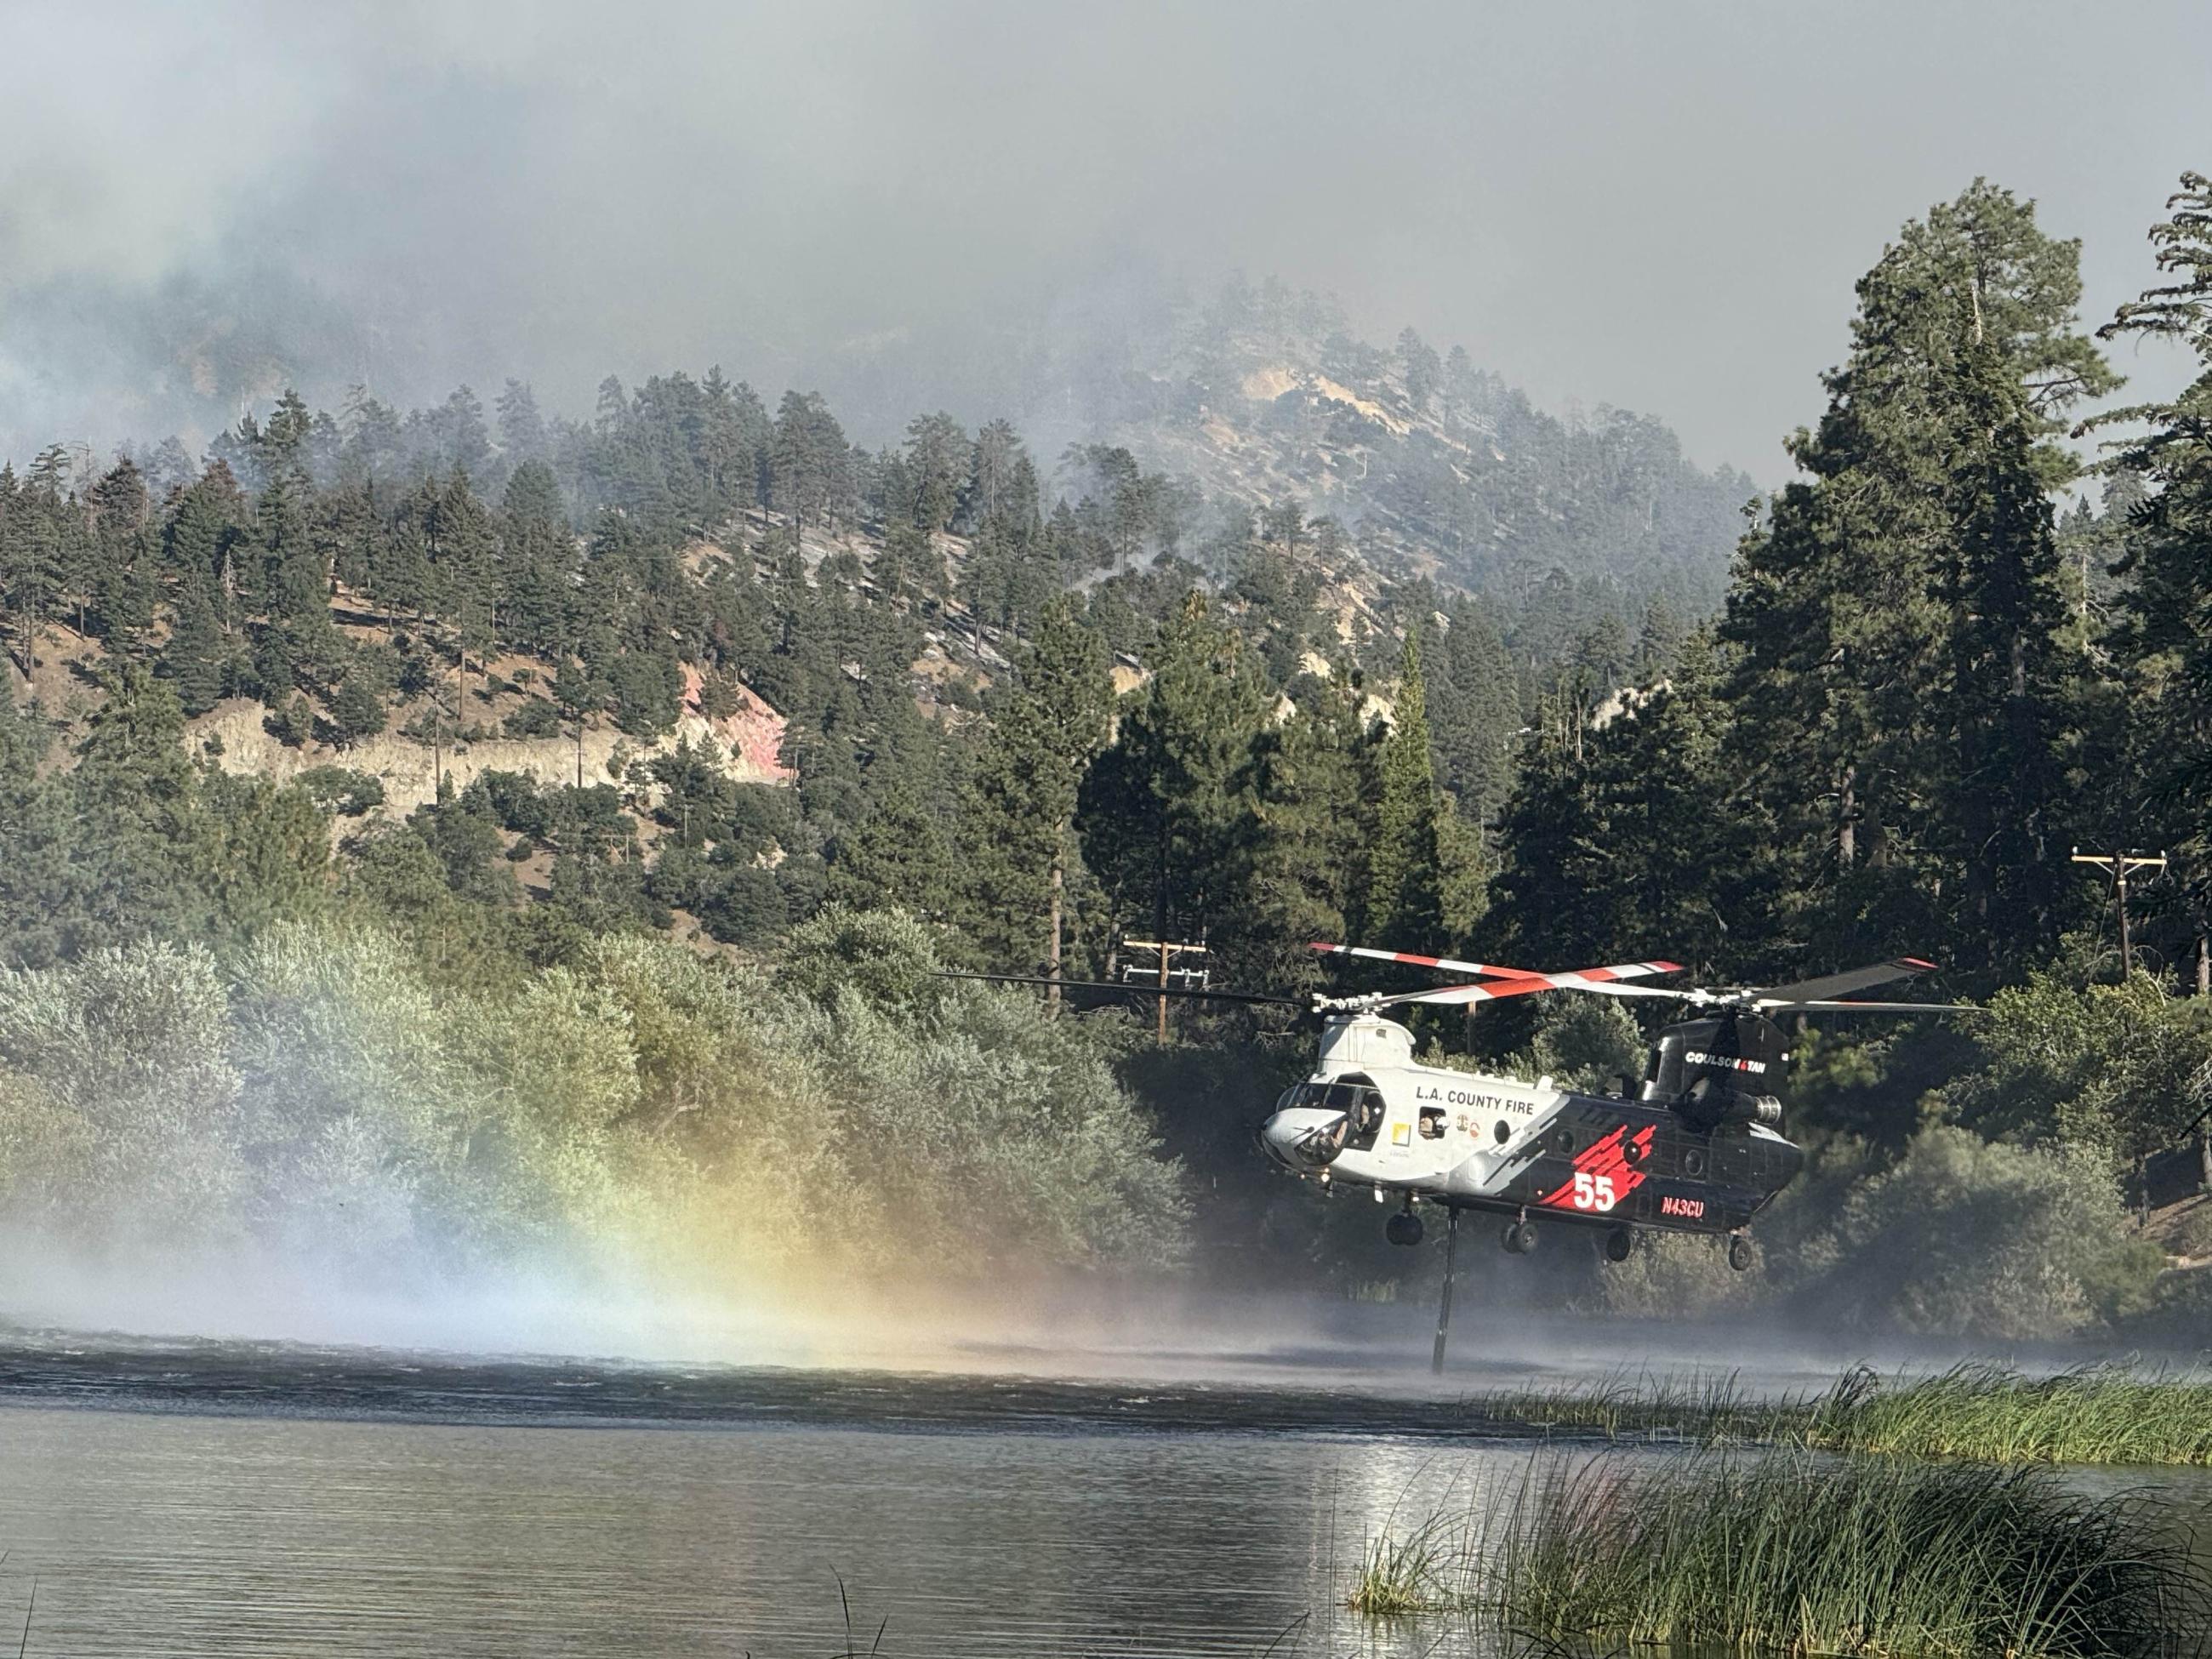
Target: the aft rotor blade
pixel 1769 1005
pixel 1854 978
pixel 1625 970
pixel 1127 988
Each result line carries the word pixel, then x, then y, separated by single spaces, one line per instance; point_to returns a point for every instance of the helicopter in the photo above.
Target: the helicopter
pixel 1696 1145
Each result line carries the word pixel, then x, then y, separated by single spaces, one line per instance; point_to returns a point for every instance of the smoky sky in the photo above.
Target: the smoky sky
pixel 1660 207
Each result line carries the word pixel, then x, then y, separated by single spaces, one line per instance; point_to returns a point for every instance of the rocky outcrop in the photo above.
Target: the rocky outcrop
pixel 745 745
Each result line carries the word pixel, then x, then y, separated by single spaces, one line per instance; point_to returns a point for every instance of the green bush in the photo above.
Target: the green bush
pixel 327 1101
pixel 339 790
pixel 1975 1239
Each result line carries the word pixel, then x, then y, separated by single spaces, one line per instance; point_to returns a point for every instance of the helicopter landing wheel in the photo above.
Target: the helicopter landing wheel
pixel 1403 1228
pixel 1617 1243
pixel 1520 1238
pixel 1738 1252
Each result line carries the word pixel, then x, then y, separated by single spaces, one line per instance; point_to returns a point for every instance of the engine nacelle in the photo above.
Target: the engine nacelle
pixel 1711 1103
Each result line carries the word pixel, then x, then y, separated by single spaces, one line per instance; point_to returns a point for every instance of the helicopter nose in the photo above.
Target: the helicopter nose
pixel 1303 1139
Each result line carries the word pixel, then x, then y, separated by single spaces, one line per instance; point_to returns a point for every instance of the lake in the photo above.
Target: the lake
pixel 208 1498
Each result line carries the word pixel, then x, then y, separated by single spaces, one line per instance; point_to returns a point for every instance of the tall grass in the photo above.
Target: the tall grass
pixel 2096 1414
pixel 2093 1415
pixel 1794 1555
pixel 1795 1552
pixel 1423 1570
pixel 1705 1406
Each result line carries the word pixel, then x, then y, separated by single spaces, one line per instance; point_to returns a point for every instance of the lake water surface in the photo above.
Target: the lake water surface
pixel 202 1499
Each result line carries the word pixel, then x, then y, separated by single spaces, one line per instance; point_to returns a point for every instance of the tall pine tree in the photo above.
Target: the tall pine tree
pixel 1020 834
pixel 1403 908
pixel 1895 621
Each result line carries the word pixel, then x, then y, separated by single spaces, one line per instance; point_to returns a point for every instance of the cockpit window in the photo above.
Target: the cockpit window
pixel 1356 1096
pixel 1361 1103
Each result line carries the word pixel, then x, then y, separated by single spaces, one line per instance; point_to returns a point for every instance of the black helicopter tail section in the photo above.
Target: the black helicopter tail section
pixel 1727 1067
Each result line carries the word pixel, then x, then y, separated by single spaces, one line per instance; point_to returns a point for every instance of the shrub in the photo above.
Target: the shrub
pixel 1978 1239
pixel 339 790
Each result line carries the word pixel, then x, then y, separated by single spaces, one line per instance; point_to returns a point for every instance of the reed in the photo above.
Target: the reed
pixel 1420 1570
pixel 1705 1407
pixel 1795 1553
pixel 2092 1414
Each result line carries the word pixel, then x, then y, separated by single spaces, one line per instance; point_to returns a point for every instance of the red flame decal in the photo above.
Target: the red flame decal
pixel 1606 1159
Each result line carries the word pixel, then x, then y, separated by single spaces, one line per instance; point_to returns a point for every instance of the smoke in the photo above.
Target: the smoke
pixel 915 206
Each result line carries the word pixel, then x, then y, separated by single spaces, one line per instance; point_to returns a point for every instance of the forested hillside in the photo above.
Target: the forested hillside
pixel 1264 396
pixel 735 730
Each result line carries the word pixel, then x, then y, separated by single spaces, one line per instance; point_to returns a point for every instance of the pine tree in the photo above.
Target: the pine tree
pixel 195 656
pixel 1629 842
pixel 2009 694
pixel 810 460
pixel 34 557
pixel 1475 715
pixel 1166 813
pixel 937 458
pixel 1314 788
pixel 1857 609
pixel 122 578
pixel 1423 369
pixel 293 723
pixel 899 857
pixel 356 710
pixel 521 428
pixel 2163 474
pixel 538 559
pixel 997 471
pixel 1403 905
pixel 1049 727
pixel 290 585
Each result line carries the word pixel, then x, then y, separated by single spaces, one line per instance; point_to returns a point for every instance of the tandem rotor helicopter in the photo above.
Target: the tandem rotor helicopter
pixel 1695 1146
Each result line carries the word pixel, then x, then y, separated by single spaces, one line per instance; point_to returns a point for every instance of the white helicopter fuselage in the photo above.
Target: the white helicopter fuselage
pixel 1408 1126
pixel 1369 1116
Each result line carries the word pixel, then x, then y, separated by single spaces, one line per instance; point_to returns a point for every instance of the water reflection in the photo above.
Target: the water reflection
pixel 184 1535
pixel 1118 1521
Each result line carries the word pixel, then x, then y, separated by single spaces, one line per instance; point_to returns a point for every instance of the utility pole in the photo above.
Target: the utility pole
pixel 2120 865
pixel 1171 976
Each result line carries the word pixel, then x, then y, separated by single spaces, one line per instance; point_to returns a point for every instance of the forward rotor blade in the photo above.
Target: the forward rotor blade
pixel 1623 971
pixel 1412 960
pixel 1854 978
pixel 1125 988
pixel 1586 979
pixel 1769 1005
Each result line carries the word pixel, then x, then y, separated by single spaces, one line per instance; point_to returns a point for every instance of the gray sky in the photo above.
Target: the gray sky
pixel 1659 206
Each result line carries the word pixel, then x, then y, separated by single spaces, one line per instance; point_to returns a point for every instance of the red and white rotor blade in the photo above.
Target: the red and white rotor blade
pixel 1624 970
pixel 1412 960
pixel 1607 981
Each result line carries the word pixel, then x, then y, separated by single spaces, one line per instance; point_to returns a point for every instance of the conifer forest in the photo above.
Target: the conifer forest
pixel 444 834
